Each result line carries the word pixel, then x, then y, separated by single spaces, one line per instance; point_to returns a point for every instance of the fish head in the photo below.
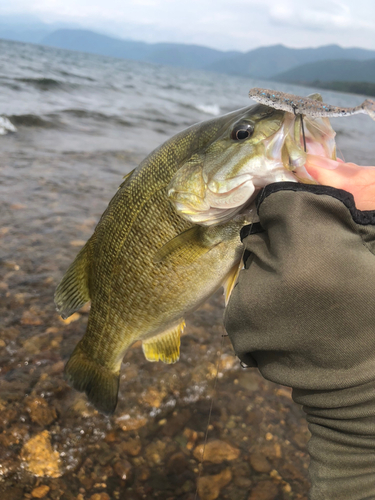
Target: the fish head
pixel 247 150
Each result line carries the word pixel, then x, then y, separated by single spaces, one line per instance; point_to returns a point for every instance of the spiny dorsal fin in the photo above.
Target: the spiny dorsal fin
pixel 126 178
pixel 165 346
pixel 184 249
pixel 316 96
pixel 73 292
pixel 230 280
pixel 97 381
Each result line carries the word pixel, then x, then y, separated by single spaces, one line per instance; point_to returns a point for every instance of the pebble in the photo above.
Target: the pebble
pixel 265 490
pixel 155 452
pixel 177 464
pixel 41 491
pixel 209 487
pixel 152 397
pixel 260 463
pixel 39 410
pixel 131 424
pixel 123 469
pixel 132 447
pixel 30 318
pixel 100 496
pixel 39 456
pixel 216 452
pixel 74 317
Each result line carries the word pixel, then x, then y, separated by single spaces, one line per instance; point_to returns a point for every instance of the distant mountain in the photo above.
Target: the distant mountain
pixel 190 56
pixel 332 70
pixel 266 62
pixel 27 28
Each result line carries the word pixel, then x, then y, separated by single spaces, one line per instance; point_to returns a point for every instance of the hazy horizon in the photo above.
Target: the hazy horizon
pixel 240 25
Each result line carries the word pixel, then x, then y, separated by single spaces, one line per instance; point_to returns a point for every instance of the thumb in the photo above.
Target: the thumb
pixel 357 180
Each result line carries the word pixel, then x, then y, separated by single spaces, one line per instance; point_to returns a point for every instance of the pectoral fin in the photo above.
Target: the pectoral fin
pixel 73 291
pixel 185 248
pixel 165 346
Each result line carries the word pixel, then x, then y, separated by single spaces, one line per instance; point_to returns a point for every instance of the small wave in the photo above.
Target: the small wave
pixel 46 83
pixel 67 73
pixel 30 120
pixel 96 115
pixel 209 109
pixel 6 126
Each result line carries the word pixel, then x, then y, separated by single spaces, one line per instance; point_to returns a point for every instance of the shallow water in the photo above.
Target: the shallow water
pixel 83 122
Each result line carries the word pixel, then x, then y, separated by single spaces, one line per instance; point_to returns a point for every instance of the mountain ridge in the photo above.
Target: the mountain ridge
pixel 262 62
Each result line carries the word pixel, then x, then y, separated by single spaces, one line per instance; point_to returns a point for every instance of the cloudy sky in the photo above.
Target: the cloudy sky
pixel 223 24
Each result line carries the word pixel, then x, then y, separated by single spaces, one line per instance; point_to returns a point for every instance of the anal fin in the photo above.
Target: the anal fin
pixel 231 279
pixel 164 346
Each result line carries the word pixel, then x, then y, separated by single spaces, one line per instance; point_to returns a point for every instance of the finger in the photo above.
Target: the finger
pixel 358 180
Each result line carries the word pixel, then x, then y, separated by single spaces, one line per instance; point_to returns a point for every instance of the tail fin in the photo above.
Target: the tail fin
pixel 97 381
pixel 73 291
pixel 369 107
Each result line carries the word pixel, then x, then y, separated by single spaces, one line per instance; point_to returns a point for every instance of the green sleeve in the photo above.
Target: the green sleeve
pixel 303 312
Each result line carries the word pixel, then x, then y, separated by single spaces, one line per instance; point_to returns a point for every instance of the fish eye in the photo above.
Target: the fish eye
pixel 242 131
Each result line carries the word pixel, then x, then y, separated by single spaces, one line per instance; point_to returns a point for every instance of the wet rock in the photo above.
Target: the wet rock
pixel 14 435
pixel 176 423
pixel 124 470
pixel 265 490
pixel 14 493
pixel 216 452
pixel 39 456
pixel 209 487
pixel 77 243
pixel 143 473
pixel 35 344
pixel 132 447
pixel 41 491
pixel 177 464
pixel 74 317
pixel 152 397
pixel 260 463
pixel 302 438
pixel 31 317
pixel 130 424
pixel 155 452
pixel 191 437
pixel 100 496
pixel 40 412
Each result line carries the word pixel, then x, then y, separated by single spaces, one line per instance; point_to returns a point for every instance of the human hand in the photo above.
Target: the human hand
pixel 358 180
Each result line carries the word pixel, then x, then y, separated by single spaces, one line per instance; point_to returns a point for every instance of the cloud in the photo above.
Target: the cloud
pixel 224 24
pixel 318 15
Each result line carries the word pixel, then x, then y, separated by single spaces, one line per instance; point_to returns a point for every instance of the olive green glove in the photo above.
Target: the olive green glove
pixel 303 312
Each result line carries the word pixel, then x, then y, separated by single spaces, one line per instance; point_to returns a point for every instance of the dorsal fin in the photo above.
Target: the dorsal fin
pixel 316 96
pixel 164 346
pixel 73 291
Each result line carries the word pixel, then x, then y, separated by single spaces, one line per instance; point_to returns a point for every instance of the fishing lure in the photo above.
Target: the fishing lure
pixel 307 106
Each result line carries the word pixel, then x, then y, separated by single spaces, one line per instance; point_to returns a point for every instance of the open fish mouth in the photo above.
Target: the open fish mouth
pixel 207 194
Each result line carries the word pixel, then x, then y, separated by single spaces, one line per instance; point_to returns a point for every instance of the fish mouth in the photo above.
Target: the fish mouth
pixel 216 195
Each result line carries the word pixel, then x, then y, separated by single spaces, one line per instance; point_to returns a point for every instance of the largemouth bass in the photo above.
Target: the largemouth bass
pixel 146 266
